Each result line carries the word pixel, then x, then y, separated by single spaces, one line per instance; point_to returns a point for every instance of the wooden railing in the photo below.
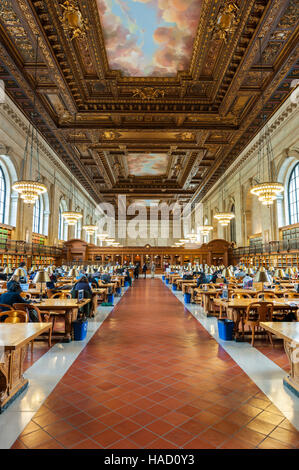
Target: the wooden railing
pixel 267 248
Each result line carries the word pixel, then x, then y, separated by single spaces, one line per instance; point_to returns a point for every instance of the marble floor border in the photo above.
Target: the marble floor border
pixel 43 377
pixel 267 375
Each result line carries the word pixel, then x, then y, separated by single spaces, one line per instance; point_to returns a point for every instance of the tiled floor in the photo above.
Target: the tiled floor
pixel 153 377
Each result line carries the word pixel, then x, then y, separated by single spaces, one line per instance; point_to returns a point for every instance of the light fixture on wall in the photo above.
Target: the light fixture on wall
pixel 266 191
pixel 30 189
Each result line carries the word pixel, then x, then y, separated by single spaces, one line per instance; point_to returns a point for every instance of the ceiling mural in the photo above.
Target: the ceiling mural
pixel 147 164
pixel 149 37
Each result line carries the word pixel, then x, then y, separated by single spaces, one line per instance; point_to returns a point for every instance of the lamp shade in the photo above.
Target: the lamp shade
pixel 279 273
pixel 41 276
pixel 73 272
pixel 6 271
pixel 20 272
pixel 289 271
pixel 89 270
pixel 227 272
pixel 262 276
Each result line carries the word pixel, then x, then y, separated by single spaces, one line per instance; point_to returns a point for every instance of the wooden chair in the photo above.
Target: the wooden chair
pixel 61 295
pixel 266 295
pixel 4 285
pixel 258 312
pixel 291 295
pixel 15 316
pixel 32 285
pixel 55 314
pixel 5 307
pixel 241 295
pixel 43 317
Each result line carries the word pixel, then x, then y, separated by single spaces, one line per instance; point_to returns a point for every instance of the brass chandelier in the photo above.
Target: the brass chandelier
pixel 30 189
pixel 205 229
pixel 90 229
pixel 266 191
pixel 224 218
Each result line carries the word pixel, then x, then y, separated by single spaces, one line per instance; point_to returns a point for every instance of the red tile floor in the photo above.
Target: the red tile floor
pixel 152 377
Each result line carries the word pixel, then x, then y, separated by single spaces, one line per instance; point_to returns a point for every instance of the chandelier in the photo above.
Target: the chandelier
pixel 192 237
pixel 224 218
pixel 71 217
pixel 29 189
pixel 90 229
pixel 266 191
pixel 205 229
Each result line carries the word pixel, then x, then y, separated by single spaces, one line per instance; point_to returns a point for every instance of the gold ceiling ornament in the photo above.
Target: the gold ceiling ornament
pixel 90 229
pixel 71 217
pixel 268 190
pixel 110 135
pixel 227 21
pixel 72 20
pixel 29 189
pixel 187 136
pixel 224 218
pixel 148 93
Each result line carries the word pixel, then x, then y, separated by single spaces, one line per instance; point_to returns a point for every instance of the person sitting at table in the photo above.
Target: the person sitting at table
pixel 3 277
pixel 14 280
pixel 82 284
pixel 53 280
pixel 201 279
pixel 12 296
pixel 106 278
pixel 24 278
pixel 247 281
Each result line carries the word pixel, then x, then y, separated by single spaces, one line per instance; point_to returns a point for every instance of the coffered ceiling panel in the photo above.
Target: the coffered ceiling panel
pixel 149 98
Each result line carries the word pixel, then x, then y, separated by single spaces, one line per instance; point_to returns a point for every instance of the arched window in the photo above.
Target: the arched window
pixel 233 226
pixel 37 216
pixel 79 228
pixel 2 195
pixel 293 195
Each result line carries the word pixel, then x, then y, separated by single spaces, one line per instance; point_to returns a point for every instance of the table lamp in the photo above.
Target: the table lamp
pixel 227 273
pixel 72 272
pixel 279 273
pixel 41 277
pixel 89 270
pixel 262 276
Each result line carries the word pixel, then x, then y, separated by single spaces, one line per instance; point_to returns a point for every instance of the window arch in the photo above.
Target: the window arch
pixel 293 195
pixel 78 226
pixel 3 186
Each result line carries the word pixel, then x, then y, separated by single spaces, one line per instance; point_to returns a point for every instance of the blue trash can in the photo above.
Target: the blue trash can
pixel 110 298
pixel 174 286
pixel 118 290
pixel 163 278
pixel 225 329
pixel 167 281
pixel 80 330
pixel 187 298
pixel 127 284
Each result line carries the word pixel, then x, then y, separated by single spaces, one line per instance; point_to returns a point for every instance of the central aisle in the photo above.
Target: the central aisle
pixel 152 377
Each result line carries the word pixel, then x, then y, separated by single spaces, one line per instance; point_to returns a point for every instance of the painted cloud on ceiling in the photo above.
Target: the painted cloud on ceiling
pixel 149 37
pixel 147 164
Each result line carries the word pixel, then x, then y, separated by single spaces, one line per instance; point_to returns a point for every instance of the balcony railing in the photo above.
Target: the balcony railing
pixel 21 247
pixel 267 248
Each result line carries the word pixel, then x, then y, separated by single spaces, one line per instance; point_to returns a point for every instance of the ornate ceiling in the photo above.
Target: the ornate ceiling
pixel 148 98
